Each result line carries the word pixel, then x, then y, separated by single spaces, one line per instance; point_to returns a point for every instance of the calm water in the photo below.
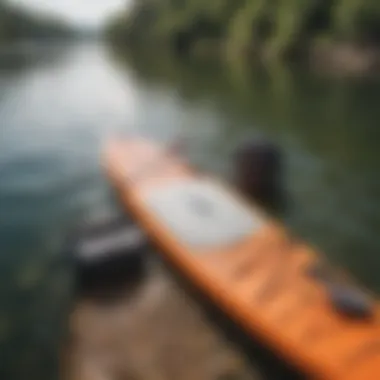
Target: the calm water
pixel 58 104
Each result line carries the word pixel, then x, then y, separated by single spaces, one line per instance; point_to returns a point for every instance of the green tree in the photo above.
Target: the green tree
pixel 278 26
pixel 17 23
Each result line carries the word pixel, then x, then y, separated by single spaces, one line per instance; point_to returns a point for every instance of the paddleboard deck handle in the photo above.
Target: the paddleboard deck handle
pixel 344 298
pixel 351 302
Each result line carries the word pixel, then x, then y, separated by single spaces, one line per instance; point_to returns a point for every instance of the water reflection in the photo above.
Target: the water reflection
pixel 56 106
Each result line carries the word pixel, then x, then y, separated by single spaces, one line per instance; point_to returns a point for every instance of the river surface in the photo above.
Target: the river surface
pixel 58 104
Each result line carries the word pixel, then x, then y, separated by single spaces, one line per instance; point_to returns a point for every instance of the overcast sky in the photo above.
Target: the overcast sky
pixel 84 12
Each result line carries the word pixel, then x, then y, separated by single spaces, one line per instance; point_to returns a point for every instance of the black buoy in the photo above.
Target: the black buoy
pixel 108 253
pixel 258 172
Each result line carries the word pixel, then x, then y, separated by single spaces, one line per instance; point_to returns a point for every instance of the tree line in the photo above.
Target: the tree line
pixel 279 27
pixel 18 24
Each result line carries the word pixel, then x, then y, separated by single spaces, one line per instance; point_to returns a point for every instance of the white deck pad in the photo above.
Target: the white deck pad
pixel 202 214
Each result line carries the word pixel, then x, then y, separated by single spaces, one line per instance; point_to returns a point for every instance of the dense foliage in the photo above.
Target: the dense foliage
pixel 279 26
pixel 16 23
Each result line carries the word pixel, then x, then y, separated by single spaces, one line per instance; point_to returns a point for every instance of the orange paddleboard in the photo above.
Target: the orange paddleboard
pixel 245 262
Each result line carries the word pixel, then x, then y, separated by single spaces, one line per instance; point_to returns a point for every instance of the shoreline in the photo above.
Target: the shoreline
pixel 325 57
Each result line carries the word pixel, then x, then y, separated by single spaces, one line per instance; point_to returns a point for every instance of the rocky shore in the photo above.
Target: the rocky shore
pixel 155 333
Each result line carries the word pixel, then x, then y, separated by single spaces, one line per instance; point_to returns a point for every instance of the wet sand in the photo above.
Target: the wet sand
pixel 156 332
